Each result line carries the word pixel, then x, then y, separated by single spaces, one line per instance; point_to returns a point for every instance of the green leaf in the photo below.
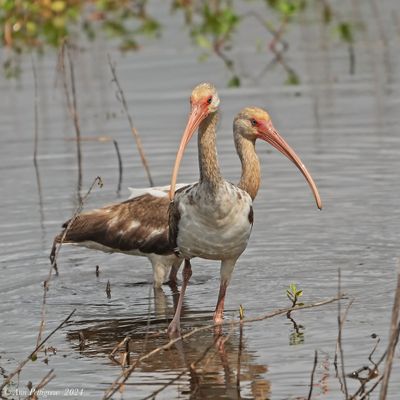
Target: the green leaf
pixel 292 79
pixel 202 41
pixel 345 32
pixel 234 81
pixel 241 312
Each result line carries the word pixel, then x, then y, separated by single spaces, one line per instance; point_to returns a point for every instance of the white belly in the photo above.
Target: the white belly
pixel 215 230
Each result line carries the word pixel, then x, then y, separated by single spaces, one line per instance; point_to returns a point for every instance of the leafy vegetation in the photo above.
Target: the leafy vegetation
pixel 293 294
pixel 297 335
pixel 34 25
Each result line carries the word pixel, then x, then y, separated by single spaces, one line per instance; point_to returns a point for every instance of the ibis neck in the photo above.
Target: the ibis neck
pixel 210 174
pixel 250 178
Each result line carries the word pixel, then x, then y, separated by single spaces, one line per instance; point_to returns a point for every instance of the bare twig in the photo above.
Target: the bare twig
pixel 36 133
pixel 33 394
pixel 105 139
pixel 134 131
pixel 365 396
pixel 55 251
pixel 108 290
pixel 372 353
pixel 312 374
pixel 394 334
pixel 122 378
pixel 339 347
pixel 241 317
pixel 338 342
pixel 122 343
pixel 22 364
pixel 120 168
pixel 36 141
pixel 72 104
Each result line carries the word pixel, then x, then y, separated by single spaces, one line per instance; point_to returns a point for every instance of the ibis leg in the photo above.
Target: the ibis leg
pixel 219 309
pixel 174 327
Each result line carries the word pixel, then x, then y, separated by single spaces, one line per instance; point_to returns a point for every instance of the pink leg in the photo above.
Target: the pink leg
pixel 173 274
pixel 174 328
pixel 219 309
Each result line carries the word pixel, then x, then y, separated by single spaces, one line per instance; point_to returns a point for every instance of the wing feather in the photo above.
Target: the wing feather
pixel 140 224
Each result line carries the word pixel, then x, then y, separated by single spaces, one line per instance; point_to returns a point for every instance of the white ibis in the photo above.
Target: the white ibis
pixel 213 218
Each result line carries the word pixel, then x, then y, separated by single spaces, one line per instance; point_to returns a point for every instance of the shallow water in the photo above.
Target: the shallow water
pixel 344 128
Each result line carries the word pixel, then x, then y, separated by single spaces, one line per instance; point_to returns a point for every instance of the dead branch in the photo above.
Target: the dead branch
pixel 105 139
pixel 120 167
pixel 122 343
pixel 365 396
pixel 71 104
pixel 312 375
pixel 46 379
pixel 36 132
pixel 55 251
pixel 241 316
pixel 134 131
pixel 394 335
pixel 339 347
pixel 22 364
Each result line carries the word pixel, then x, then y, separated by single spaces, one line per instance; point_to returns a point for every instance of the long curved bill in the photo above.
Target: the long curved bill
pixel 198 113
pixel 270 135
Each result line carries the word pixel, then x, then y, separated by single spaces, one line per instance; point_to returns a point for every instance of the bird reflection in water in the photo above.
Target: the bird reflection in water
pixel 206 365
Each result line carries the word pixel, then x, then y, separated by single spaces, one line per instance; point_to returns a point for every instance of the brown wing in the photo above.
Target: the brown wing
pixel 140 223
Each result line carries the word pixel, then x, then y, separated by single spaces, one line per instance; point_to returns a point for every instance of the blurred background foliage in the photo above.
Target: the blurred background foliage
pixel 29 25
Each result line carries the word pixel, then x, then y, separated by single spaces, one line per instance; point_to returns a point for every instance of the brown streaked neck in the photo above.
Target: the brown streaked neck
pixel 251 174
pixel 210 174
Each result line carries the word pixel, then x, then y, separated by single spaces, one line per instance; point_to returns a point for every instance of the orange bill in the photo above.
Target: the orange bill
pixel 198 113
pixel 268 133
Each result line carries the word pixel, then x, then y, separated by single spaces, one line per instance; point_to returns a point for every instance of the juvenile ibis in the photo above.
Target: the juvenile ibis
pixel 138 226
pixel 213 218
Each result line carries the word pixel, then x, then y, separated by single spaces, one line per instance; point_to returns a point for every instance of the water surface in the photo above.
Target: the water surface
pixel 343 126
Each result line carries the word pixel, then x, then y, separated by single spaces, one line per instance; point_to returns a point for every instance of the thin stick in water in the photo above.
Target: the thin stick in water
pixel 120 168
pixel 55 251
pixel 312 375
pixel 22 364
pixel 394 334
pixel 33 393
pixel 134 131
pixel 339 338
pixel 72 105
pixel 241 317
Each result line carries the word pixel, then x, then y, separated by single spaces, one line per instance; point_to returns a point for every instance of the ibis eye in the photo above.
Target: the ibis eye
pixel 253 122
pixel 209 100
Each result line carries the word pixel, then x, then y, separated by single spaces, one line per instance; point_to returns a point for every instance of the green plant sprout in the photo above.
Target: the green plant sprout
pixel 293 294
